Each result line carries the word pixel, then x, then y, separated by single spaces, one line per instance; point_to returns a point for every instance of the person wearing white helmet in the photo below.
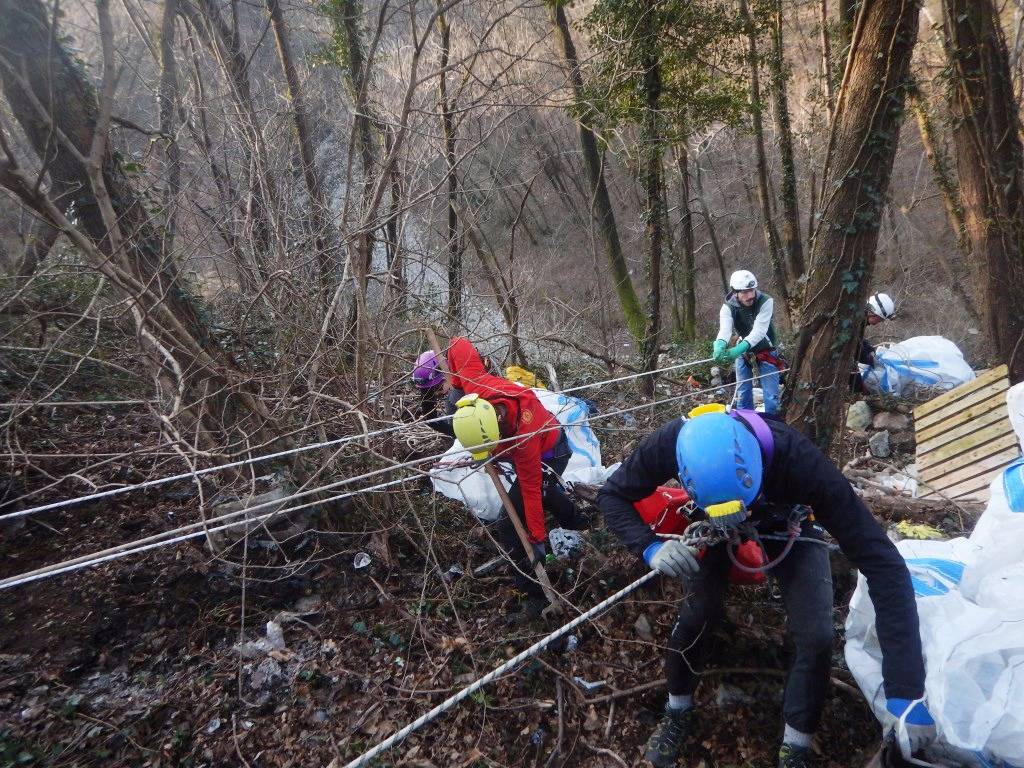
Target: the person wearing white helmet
pixel 880 307
pixel 747 313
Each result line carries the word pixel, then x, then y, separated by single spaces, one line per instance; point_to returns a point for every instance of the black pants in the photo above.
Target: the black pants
pixel 805 578
pixel 555 501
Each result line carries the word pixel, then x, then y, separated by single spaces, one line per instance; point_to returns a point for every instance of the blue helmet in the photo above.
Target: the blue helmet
pixel 719 460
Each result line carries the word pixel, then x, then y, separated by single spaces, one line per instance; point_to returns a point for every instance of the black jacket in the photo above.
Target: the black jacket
pixel 799 474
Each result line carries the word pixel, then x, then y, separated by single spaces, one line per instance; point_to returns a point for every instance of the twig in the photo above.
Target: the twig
pixel 611 719
pixel 606 753
pixel 557 751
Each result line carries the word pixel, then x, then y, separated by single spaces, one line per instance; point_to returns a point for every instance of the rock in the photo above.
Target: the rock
pixel 275 636
pixel 643 628
pixel 265 674
pixel 878 444
pixel 894 422
pixel 729 696
pixel 858 417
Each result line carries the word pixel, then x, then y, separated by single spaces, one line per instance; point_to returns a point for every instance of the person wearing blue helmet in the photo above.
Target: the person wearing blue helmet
pixel 739 467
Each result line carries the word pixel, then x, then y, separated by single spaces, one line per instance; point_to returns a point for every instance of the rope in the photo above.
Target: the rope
pixel 291 451
pixel 144 545
pixel 469 690
pixel 158 540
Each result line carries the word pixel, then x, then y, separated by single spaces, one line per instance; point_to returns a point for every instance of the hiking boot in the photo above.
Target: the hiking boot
pixel 674 729
pixel 796 757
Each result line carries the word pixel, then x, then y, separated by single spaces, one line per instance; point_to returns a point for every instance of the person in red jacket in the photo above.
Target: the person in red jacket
pixel 539 456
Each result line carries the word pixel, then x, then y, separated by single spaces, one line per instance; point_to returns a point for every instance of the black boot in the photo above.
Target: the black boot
pixel 796 757
pixel 673 730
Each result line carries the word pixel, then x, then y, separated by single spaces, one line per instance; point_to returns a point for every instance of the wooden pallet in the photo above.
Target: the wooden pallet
pixel 964 438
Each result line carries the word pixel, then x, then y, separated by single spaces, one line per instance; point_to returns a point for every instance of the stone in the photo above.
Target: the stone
pixel 894 422
pixel 728 696
pixel 878 444
pixel 858 417
pixel 643 628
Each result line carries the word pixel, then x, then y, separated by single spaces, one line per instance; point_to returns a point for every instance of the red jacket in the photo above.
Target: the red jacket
pixel 526 415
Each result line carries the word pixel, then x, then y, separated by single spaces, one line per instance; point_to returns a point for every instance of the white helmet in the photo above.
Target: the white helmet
pixel 742 280
pixel 881 304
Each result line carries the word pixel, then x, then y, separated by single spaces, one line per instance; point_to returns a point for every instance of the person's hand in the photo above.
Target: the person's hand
pixel 718 351
pixel 918 725
pixel 540 553
pixel 738 351
pixel 672 558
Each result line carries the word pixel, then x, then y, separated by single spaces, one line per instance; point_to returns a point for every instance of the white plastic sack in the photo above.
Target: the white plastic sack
pixel 972 631
pixel 921 362
pixel 474 487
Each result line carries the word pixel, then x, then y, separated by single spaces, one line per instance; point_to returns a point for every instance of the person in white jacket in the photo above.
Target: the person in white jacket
pixel 747 313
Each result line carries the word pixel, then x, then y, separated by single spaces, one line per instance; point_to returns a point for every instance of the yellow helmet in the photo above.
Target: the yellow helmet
pixel 476 424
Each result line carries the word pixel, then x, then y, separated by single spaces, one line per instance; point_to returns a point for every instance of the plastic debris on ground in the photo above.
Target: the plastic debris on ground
pixel 972 631
pixel 474 488
pixel 587 686
pixel 565 543
pixel 919 531
pixel 361 560
pixel 520 375
pixel 919 363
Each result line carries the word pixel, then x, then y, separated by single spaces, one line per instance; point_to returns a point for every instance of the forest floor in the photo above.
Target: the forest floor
pixel 154 660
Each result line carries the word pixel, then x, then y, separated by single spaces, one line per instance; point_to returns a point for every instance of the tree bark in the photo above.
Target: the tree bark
pixel 650 180
pixel 942 174
pixel 319 214
pixel 990 163
pixel 791 243
pixel 866 129
pixel 827 68
pixel 771 235
pixel 448 130
pixel 169 122
pixel 688 270
pixel 601 205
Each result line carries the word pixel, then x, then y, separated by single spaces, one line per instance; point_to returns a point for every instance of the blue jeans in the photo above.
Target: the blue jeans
pixel 769 382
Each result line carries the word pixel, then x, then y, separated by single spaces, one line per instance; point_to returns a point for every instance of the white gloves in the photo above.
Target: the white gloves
pixel 672 558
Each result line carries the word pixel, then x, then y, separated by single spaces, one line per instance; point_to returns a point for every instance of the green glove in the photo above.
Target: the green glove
pixel 738 351
pixel 718 351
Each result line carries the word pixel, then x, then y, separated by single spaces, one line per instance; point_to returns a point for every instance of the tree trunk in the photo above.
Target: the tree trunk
pixel 601 205
pixel 688 270
pixel 827 68
pixel 112 226
pixel 771 236
pixel 319 214
pixel 650 180
pixel 947 185
pixel 990 163
pixel 169 121
pixel 698 185
pixel 448 130
pixel 791 244
pixel 866 131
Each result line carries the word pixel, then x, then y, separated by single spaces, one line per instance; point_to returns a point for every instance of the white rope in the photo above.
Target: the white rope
pixel 469 690
pixel 139 546
pixel 158 540
pixel 291 451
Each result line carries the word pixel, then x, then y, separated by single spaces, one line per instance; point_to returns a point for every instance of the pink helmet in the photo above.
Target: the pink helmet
pixel 427 373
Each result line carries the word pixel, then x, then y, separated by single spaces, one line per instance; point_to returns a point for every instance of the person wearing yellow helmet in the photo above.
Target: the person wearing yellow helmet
pixel 511 424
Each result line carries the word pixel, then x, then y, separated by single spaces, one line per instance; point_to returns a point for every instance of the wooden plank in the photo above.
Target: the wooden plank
pixel 987 466
pixel 963 443
pixel 961 460
pixel 985 407
pixel 981 495
pixel 988 377
pixel 974 488
pixel 999 414
pixel 972 397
